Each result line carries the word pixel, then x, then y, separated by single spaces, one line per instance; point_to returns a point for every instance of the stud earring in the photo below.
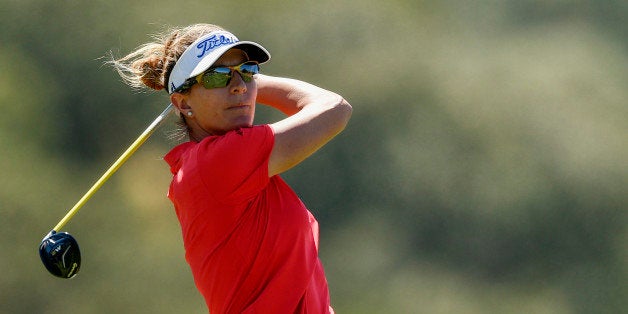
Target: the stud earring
pixel 189 113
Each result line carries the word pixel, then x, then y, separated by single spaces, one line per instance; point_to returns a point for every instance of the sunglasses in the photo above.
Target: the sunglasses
pixel 221 76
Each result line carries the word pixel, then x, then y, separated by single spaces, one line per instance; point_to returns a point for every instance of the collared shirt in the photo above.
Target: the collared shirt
pixel 251 244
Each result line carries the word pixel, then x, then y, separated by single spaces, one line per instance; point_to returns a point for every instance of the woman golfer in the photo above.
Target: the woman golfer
pixel 251 244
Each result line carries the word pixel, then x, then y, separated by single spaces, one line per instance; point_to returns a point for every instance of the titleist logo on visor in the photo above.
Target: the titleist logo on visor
pixel 214 42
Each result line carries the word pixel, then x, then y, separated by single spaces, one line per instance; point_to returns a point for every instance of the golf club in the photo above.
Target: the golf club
pixel 59 251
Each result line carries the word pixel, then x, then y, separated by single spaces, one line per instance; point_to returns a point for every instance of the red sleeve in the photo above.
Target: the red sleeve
pixel 234 167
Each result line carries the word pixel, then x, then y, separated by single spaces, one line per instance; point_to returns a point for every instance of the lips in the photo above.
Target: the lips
pixel 238 106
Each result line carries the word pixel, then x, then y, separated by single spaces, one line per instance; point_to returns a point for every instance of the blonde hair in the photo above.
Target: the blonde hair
pixel 151 63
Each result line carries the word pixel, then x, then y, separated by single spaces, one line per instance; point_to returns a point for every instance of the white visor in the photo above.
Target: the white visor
pixel 203 52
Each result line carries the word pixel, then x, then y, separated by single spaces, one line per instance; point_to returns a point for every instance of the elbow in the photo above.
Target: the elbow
pixel 343 111
pixel 346 109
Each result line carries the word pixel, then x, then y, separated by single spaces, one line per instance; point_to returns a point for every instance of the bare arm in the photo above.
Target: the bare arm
pixel 315 116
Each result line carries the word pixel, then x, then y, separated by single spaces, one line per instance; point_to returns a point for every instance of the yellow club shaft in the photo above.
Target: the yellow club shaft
pixel 114 167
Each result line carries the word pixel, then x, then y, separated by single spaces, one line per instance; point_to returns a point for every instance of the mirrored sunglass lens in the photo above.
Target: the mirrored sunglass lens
pixel 249 68
pixel 216 79
pixel 220 76
pixel 221 70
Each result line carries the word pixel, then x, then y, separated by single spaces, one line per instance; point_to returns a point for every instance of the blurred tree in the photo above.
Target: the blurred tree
pixel 483 170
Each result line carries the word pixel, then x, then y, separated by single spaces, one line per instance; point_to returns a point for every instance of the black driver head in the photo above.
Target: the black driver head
pixel 60 254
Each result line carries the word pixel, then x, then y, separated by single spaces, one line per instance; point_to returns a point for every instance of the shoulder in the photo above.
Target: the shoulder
pixel 251 138
pixel 173 158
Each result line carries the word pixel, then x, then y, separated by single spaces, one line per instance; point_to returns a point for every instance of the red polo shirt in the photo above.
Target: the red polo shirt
pixel 251 243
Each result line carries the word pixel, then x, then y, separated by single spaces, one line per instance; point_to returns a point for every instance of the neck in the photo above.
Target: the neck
pixel 196 132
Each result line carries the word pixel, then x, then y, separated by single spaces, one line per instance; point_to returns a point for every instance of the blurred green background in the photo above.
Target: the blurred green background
pixel 484 169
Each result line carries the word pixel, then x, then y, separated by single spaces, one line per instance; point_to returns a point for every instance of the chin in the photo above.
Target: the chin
pixel 243 124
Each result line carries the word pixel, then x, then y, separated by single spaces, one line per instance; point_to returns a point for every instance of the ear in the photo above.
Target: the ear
pixel 180 102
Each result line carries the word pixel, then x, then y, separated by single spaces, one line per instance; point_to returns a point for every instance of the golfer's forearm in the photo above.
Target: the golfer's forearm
pixel 315 116
pixel 290 96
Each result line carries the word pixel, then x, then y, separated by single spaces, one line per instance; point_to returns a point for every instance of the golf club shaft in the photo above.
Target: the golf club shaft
pixel 114 167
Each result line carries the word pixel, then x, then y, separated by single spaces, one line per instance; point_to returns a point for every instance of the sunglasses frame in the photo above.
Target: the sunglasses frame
pixel 246 76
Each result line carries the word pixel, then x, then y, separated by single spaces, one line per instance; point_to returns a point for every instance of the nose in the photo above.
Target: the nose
pixel 237 85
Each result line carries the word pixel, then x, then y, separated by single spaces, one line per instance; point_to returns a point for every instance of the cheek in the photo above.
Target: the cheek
pixel 252 91
pixel 253 97
pixel 204 99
